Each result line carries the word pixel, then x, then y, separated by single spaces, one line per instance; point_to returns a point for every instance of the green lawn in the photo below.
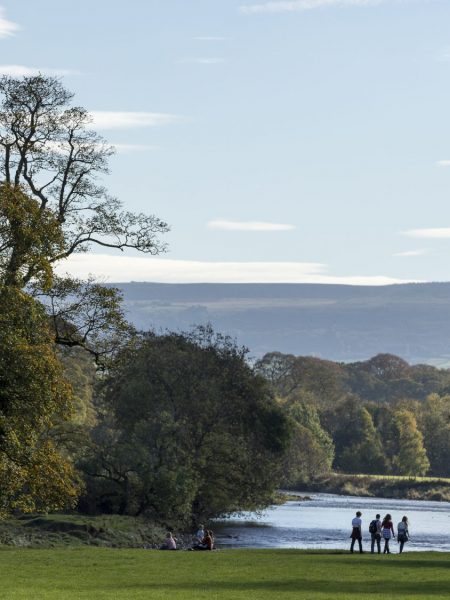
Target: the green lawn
pixel 110 574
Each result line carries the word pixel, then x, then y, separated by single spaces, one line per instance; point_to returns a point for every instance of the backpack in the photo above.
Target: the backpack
pixel 373 527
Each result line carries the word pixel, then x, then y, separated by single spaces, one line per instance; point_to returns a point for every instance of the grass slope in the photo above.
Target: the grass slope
pixel 50 531
pixel 381 486
pixel 108 574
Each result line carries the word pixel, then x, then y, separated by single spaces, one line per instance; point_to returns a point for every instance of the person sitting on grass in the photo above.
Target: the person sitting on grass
pixel 209 539
pixel 200 534
pixel 207 542
pixel 170 543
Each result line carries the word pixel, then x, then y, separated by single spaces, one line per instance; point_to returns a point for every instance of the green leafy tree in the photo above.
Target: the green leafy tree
pixel 277 368
pixel 188 429
pixel 52 205
pixel 291 376
pixel 364 424
pixel 307 414
pixel 34 397
pixel 365 454
pixel 412 456
pixel 386 366
pixel 383 377
pixel 435 426
pixel 29 235
pixel 311 450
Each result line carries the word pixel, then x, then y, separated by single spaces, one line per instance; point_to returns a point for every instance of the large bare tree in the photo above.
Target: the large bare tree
pixel 51 166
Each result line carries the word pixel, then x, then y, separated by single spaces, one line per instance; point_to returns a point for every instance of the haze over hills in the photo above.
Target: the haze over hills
pixel 337 322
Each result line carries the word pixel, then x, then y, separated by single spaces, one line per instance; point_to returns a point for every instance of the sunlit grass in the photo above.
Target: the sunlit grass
pixel 436 480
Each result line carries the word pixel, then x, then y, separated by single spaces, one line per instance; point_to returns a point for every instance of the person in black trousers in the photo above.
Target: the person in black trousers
pixel 356 532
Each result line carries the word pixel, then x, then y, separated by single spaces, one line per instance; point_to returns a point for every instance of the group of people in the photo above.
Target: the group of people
pixel 202 540
pixel 380 529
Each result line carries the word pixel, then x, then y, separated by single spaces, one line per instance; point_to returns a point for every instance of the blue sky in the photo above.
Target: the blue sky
pixel 301 140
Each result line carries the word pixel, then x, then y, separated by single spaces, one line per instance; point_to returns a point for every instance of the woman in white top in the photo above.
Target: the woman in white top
pixel 170 543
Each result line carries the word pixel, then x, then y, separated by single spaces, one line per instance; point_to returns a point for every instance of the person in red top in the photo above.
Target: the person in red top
pixel 208 540
pixel 387 527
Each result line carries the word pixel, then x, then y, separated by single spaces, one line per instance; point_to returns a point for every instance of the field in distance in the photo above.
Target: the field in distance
pixel 106 574
pixel 381 486
pixel 411 478
pixel 337 322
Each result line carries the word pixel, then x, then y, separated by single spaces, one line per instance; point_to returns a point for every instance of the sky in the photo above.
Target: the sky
pixel 283 140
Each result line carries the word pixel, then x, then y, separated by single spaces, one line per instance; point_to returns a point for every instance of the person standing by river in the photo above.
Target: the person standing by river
pixel 387 527
pixel 356 532
pixel 402 533
pixel 375 532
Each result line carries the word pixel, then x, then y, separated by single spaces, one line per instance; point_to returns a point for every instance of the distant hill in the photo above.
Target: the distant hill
pixel 337 322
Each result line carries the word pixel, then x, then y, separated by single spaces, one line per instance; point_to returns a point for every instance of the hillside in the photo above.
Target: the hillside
pixel 337 322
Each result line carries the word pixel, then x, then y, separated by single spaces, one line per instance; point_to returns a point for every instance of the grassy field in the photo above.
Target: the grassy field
pixel 436 480
pixel 384 486
pixel 109 574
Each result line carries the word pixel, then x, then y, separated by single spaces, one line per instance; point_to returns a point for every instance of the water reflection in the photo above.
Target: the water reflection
pixel 324 522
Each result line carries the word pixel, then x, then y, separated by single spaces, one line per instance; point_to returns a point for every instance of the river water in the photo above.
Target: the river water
pixel 324 521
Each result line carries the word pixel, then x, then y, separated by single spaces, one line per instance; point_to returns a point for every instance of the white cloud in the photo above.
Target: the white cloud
pixel 407 253
pixel 226 225
pixel 139 268
pixel 104 119
pixel 23 71
pixel 202 61
pixel 432 233
pixel 279 6
pixel 7 28
pixel 443 163
pixel 209 38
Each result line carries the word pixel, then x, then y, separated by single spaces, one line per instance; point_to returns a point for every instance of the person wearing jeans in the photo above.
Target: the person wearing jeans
pixel 376 536
pixel 387 530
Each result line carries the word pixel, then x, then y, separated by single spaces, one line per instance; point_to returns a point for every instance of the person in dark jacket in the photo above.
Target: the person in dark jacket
pixel 375 532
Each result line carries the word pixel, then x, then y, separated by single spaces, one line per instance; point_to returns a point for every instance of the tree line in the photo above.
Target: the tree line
pixel 176 426
pixel 380 416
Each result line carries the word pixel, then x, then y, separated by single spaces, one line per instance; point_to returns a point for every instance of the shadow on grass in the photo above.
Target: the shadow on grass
pixel 393 561
pixel 276 587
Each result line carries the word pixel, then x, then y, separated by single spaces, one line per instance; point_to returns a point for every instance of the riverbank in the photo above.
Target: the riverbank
pixel 86 573
pixel 379 486
pixel 72 530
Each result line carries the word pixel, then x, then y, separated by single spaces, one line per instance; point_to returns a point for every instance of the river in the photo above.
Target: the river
pixel 324 521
